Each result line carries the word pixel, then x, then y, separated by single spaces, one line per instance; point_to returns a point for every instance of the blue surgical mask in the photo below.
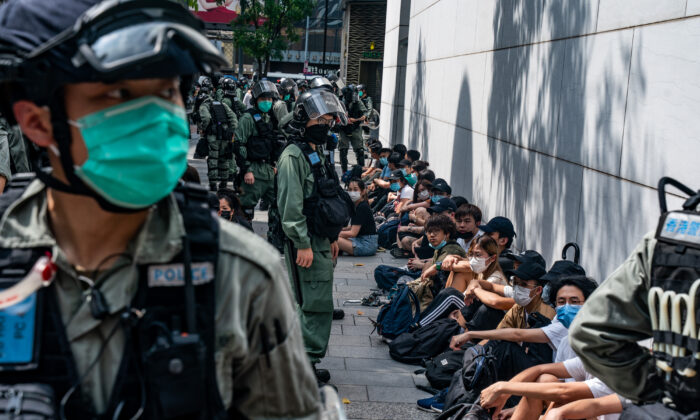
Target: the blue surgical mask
pixel 403 171
pixel 438 246
pixel 435 198
pixel 383 161
pixel 395 187
pixel 566 313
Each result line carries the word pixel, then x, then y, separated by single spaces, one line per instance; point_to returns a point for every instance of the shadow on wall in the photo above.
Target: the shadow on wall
pixel 462 165
pixel 530 107
pixel 418 128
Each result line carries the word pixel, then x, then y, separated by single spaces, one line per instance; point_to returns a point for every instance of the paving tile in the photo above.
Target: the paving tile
pixel 395 394
pixel 382 411
pixel 336 329
pixel 338 281
pixel 358 352
pixel 378 365
pixel 359 377
pixel 350 340
pixel 348 320
pixel 354 393
pixel 358 330
pixel 335 363
pixel 363 320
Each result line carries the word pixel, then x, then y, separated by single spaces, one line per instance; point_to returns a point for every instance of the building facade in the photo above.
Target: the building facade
pixel 560 115
pixel 363 45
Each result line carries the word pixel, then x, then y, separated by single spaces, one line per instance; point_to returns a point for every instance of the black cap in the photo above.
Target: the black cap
pixel 499 224
pixel 530 256
pixel 528 271
pixel 442 186
pixel 460 201
pixel 563 268
pixel 396 174
pixel 405 163
pixel 395 158
pixel 444 204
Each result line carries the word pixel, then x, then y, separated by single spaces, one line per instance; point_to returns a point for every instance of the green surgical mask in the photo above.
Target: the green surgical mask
pixel 286 97
pixel 265 106
pixel 137 151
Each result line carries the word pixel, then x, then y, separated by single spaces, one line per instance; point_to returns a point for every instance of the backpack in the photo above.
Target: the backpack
pixel 478 371
pixel 397 316
pixel 440 369
pixel 423 343
pixel 465 412
pixel 387 233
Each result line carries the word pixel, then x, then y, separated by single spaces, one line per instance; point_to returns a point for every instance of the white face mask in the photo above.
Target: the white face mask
pixel 423 195
pixel 355 195
pixel 477 264
pixel 521 295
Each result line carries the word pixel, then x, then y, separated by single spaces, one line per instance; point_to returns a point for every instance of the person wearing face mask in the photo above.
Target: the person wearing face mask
pixel 401 191
pixel 441 189
pixel 440 230
pixel 152 307
pixel 313 209
pixel 257 148
pixel 351 134
pixel 468 219
pixel 289 91
pixel 230 208
pixel 360 238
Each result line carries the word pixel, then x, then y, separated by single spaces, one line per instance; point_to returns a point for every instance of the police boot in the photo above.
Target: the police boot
pixel 360 156
pixel 344 160
pixel 223 185
pixel 212 187
pixel 322 375
pixel 264 205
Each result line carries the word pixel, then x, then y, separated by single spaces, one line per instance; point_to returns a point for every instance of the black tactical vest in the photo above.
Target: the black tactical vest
pixel 263 147
pixel 329 208
pixel 674 300
pixel 219 125
pixel 168 368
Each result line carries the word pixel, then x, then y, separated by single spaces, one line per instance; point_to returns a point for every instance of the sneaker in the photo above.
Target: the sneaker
pixel 434 404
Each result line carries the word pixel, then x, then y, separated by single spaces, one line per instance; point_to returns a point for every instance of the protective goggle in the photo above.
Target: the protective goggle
pixel 325 103
pixel 150 37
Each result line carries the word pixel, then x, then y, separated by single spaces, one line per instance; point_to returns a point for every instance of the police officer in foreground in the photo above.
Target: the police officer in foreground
pixel 351 134
pixel 655 293
pixel 314 209
pixel 154 307
pixel 218 123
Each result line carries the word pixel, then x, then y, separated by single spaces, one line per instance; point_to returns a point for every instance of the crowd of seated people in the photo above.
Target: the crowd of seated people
pixel 510 307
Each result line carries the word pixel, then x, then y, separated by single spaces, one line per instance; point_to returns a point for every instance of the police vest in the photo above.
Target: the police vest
pixel 353 112
pixel 219 125
pixel 329 208
pixel 674 301
pixel 263 147
pixel 168 369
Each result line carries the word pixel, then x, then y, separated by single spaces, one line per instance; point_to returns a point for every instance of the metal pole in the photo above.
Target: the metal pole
pixel 240 49
pixel 325 33
pixel 306 44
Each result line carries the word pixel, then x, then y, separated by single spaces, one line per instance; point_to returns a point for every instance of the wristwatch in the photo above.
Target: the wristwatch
pixel 439 265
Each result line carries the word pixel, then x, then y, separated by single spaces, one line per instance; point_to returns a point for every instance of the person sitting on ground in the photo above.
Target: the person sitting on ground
pixel 401 191
pixel 426 174
pixel 501 229
pixel 418 214
pixel 540 385
pixel 375 153
pixel 191 175
pixel 440 231
pixel 468 219
pixel 399 148
pixel 381 185
pixel 451 300
pixel 441 189
pixel 230 208
pixel 407 171
pixel 419 165
pixel 412 155
pixel 421 248
pixel 360 238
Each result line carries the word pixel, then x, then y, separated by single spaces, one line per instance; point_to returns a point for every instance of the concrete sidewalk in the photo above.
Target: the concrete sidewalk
pixel 375 386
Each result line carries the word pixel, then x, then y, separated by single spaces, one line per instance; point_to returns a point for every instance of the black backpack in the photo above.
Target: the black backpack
pixel 401 313
pixel 440 369
pixel 478 371
pixel 423 343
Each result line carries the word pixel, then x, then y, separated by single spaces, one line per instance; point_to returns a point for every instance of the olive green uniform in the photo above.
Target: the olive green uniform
pixel 238 108
pixel 251 296
pixel 615 317
pixel 5 171
pixel 264 172
pixel 15 139
pixel 218 162
pixel 296 183
pixel 355 110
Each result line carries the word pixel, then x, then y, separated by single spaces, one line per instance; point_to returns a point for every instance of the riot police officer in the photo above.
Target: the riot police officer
pixel 313 209
pixel 351 135
pixel 218 123
pixel 15 140
pixel 289 91
pixel 153 307
pixel 655 293
pixel 230 97
pixel 365 98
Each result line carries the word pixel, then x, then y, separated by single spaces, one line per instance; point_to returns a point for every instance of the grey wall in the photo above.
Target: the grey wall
pixel 561 115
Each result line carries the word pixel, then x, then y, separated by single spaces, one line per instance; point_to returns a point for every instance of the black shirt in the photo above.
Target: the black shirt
pixel 363 217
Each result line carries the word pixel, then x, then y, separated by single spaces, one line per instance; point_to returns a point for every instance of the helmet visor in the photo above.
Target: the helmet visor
pixel 146 43
pixel 325 103
pixel 265 88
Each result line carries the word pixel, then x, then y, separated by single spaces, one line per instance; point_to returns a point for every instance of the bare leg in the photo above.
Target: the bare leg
pixel 530 408
pixel 345 245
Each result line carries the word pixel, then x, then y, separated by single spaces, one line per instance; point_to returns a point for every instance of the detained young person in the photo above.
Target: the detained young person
pixel 360 238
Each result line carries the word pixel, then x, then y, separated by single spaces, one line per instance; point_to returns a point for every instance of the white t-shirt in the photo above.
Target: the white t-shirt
pixel 497 278
pixel 247 100
pixel 564 351
pixel 598 388
pixel 555 332
pixel 406 192
pixel 464 244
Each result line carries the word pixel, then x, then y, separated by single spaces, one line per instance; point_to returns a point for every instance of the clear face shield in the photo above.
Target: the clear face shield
pixel 325 103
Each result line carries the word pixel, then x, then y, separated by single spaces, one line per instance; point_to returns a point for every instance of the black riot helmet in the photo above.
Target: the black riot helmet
pixel 350 93
pixel 228 85
pixel 243 82
pixel 288 87
pixel 205 81
pixel 42 49
pixel 316 103
pixel 265 89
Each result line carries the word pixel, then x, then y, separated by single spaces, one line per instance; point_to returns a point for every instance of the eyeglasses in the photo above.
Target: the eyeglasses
pixel 515 281
pixel 326 121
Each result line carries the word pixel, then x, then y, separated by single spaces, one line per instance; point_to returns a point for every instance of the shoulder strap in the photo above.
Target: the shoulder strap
pixel 14 190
